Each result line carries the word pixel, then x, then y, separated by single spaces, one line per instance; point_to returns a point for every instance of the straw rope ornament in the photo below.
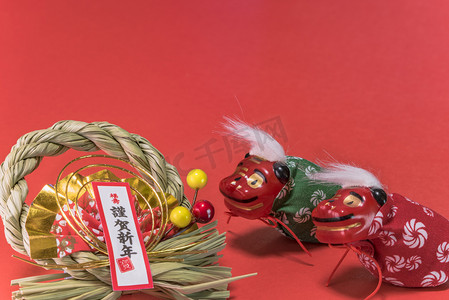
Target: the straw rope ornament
pixel 192 274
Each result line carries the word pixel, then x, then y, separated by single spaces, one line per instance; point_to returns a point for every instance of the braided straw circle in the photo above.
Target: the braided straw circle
pixel 28 152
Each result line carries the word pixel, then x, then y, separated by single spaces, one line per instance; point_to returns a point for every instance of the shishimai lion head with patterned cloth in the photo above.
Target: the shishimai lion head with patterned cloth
pixel 272 187
pixel 398 240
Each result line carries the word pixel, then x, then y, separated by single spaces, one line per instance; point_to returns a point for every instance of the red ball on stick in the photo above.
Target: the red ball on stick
pixel 203 211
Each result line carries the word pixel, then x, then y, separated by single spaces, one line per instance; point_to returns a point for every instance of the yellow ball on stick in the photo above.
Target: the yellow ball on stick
pixel 197 179
pixel 180 216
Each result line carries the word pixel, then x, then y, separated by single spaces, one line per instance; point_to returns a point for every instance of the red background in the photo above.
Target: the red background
pixel 365 81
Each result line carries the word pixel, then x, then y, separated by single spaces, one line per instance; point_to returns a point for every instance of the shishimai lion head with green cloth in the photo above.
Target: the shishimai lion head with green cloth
pixel 273 187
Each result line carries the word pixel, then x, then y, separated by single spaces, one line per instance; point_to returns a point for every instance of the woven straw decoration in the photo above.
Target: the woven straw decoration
pixel 28 152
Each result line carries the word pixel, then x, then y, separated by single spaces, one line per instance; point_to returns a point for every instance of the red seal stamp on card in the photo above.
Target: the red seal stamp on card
pixel 125 264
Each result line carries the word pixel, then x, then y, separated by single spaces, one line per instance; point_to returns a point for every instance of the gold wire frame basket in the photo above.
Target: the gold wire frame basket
pixel 183 267
pixel 74 219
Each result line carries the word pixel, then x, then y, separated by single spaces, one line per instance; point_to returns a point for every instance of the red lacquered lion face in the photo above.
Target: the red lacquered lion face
pixel 347 217
pixel 250 191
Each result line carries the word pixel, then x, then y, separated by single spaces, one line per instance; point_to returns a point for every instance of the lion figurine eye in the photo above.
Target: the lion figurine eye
pixel 255 181
pixel 352 201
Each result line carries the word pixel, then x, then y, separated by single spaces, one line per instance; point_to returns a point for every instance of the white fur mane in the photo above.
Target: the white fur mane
pixel 346 176
pixel 261 143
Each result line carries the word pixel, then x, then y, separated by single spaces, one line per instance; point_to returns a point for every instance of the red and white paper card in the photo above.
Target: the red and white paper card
pixel 130 268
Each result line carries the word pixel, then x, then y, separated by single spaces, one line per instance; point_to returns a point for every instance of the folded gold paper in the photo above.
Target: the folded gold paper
pixel 45 208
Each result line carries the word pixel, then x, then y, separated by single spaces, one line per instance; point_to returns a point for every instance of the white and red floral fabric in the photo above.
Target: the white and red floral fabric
pixel 410 242
pixel 68 241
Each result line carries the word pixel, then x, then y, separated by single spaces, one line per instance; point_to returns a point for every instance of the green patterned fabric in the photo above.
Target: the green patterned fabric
pixel 295 202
